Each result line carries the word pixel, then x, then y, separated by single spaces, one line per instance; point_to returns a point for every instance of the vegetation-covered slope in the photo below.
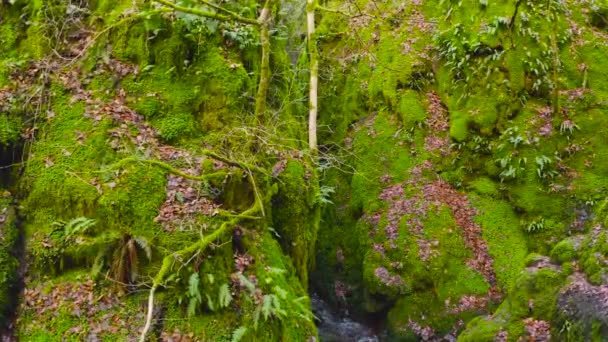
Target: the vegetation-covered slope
pixel 162 191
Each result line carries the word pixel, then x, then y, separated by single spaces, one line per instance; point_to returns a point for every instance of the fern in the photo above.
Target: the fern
pixel 272 307
pixel 192 304
pixel 194 294
pixel 302 305
pixel 279 291
pixel 75 226
pixel 210 303
pixel 225 296
pixel 322 197
pixel 143 244
pixel 193 286
pixel 238 334
pixel 267 306
pixel 247 283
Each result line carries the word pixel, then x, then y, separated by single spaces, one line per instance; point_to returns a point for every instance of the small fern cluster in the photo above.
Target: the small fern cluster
pixel 120 252
pixel 195 297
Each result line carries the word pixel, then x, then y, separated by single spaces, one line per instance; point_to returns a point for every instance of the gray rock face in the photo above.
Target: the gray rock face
pixel 584 302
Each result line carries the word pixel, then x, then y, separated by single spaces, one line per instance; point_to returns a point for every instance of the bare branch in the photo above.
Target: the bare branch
pixel 230 16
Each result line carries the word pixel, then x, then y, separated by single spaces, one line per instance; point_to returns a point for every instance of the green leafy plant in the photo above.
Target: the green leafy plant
pixel 225 297
pixel 535 226
pixel 238 334
pixel 568 127
pixel 324 195
pixel 544 167
pixel 79 225
pixel 194 294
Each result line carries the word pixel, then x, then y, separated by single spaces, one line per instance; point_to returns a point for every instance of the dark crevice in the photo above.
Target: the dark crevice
pixel 11 224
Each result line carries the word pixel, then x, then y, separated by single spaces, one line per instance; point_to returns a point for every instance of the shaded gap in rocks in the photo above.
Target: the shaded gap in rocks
pixel 12 163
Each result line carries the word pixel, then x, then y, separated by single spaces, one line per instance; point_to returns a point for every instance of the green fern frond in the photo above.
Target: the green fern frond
pixel 225 298
pixel 238 334
pixel 78 225
pixel 279 291
pixel 247 283
pixel 267 308
pixel 210 303
pixel 144 245
pixel 192 305
pixel 193 286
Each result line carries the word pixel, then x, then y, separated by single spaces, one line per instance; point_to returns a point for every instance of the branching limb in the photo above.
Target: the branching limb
pixel 222 9
pixel 229 16
pixel 172 170
pixel 330 10
pixel 185 253
pixel 168 168
pixel 234 163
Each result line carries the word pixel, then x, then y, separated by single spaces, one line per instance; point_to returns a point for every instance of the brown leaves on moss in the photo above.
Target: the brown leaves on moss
pixel 183 202
pixel 104 313
pixel 177 336
pixel 468 303
pixel 537 330
pixel 436 193
pixel 185 198
pixel 437 121
pixel 462 211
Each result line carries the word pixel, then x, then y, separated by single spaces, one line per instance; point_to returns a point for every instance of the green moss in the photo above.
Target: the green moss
pixel 593 251
pixel 506 243
pixel 568 268
pixel 517 76
pixel 563 251
pixel 295 218
pixel 459 126
pixel 533 295
pixel 178 125
pixel 410 110
pixel 485 186
pixel 482 329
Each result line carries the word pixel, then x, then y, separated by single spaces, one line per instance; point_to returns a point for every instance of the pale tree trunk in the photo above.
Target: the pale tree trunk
pixel 260 98
pixel 314 75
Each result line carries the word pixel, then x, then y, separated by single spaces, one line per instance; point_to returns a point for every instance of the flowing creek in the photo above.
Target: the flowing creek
pixel 333 328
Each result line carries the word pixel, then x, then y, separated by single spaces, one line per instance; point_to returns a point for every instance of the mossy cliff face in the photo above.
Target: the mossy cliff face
pixel 459 188
pixel 111 140
pixel 474 134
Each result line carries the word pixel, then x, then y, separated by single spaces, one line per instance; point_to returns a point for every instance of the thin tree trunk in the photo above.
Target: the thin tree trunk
pixel 314 75
pixel 260 98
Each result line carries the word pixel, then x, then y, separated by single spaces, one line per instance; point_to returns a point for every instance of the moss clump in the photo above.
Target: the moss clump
pixel 563 251
pixel 485 186
pixel 506 242
pixel 410 110
pixel 534 294
pixel 459 126
pixel 10 129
